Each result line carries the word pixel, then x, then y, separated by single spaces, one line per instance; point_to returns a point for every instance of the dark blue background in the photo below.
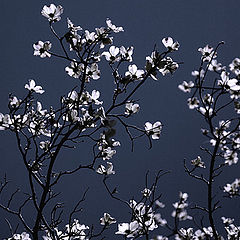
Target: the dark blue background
pixel 193 23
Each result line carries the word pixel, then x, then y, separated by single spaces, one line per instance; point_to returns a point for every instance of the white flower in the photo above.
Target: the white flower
pixel 106 220
pixel 39 109
pixel 75 69
pixel 130 230
pixel 193 102
pixel 23 236
pixel 233 188
pixel 72 116
pixel 72 27
pixel 146 192
pixel 44 145
pixel 107 153
pixel 215 66
pixel 230 157
pixel 41 49
pixel 102 34
pixel 111 56
pixel 126 53
pixel 14 101
pixel 184 234
pixel 206 111
pixel 93 71
pixel 162 222
pixel 76 230
pixel 32 87
pixel 134 73
pixel 90 37
pixel 227 221
pixel 207 53
pixel 131 108
pixel 198 74
pixel 167 65
pixel 235 66
pixel 180 208
pixel 95 95
pixel 52 13
pixel 106 170
pixel 229 84
pixel 153 130
pixel 186 87
pixel 208 231
pixel 113 27
pixel 208 99
pixel 169 44
pixel 198 162
pixel 150 64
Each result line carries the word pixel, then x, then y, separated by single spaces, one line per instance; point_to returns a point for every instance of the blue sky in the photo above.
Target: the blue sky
pixel 192 23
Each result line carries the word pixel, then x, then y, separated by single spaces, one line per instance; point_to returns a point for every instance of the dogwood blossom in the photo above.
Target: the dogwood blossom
pixel 235 66
pixel 207 111
pixel 197 162
pixel 22 236
pixel 113 27
pixel 126 54
pixel 14 101
pixel 170 44
pixel 95 96
pixel 230 157
pixel 93 71
pixel 131 108
pixel 75 70
pixel 151 63
pixel 167 65
pixel 76 230
pixel 186 87
pixel 32 87
pixel 112 55
pixel 193 102
pixel 196 73
pixel 233 188
pixel 180 211
pixel 146 192
pixel 153 130
pixel 207 53
pixel 41 49
pixel 90 37
pixel 72 28
pixel 227 83
pixel 106 170
pixel 52 13
pixel 159 220
pixel 215 66
pixel 128 229
pixel 134 73
pixel 107 220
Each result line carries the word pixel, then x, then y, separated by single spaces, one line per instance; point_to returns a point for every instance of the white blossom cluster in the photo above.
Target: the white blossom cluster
pixel 225 83
pixel 180 211
pixel 207 98
pixel 144 218
pixel 81 107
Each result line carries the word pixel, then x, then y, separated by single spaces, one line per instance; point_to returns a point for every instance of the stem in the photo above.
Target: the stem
pixel 210 188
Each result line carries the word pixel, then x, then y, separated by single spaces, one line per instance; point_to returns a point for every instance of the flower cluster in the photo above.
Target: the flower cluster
pixel 75 230
pixel 233 188
pixel 143 220
pixel 180 211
